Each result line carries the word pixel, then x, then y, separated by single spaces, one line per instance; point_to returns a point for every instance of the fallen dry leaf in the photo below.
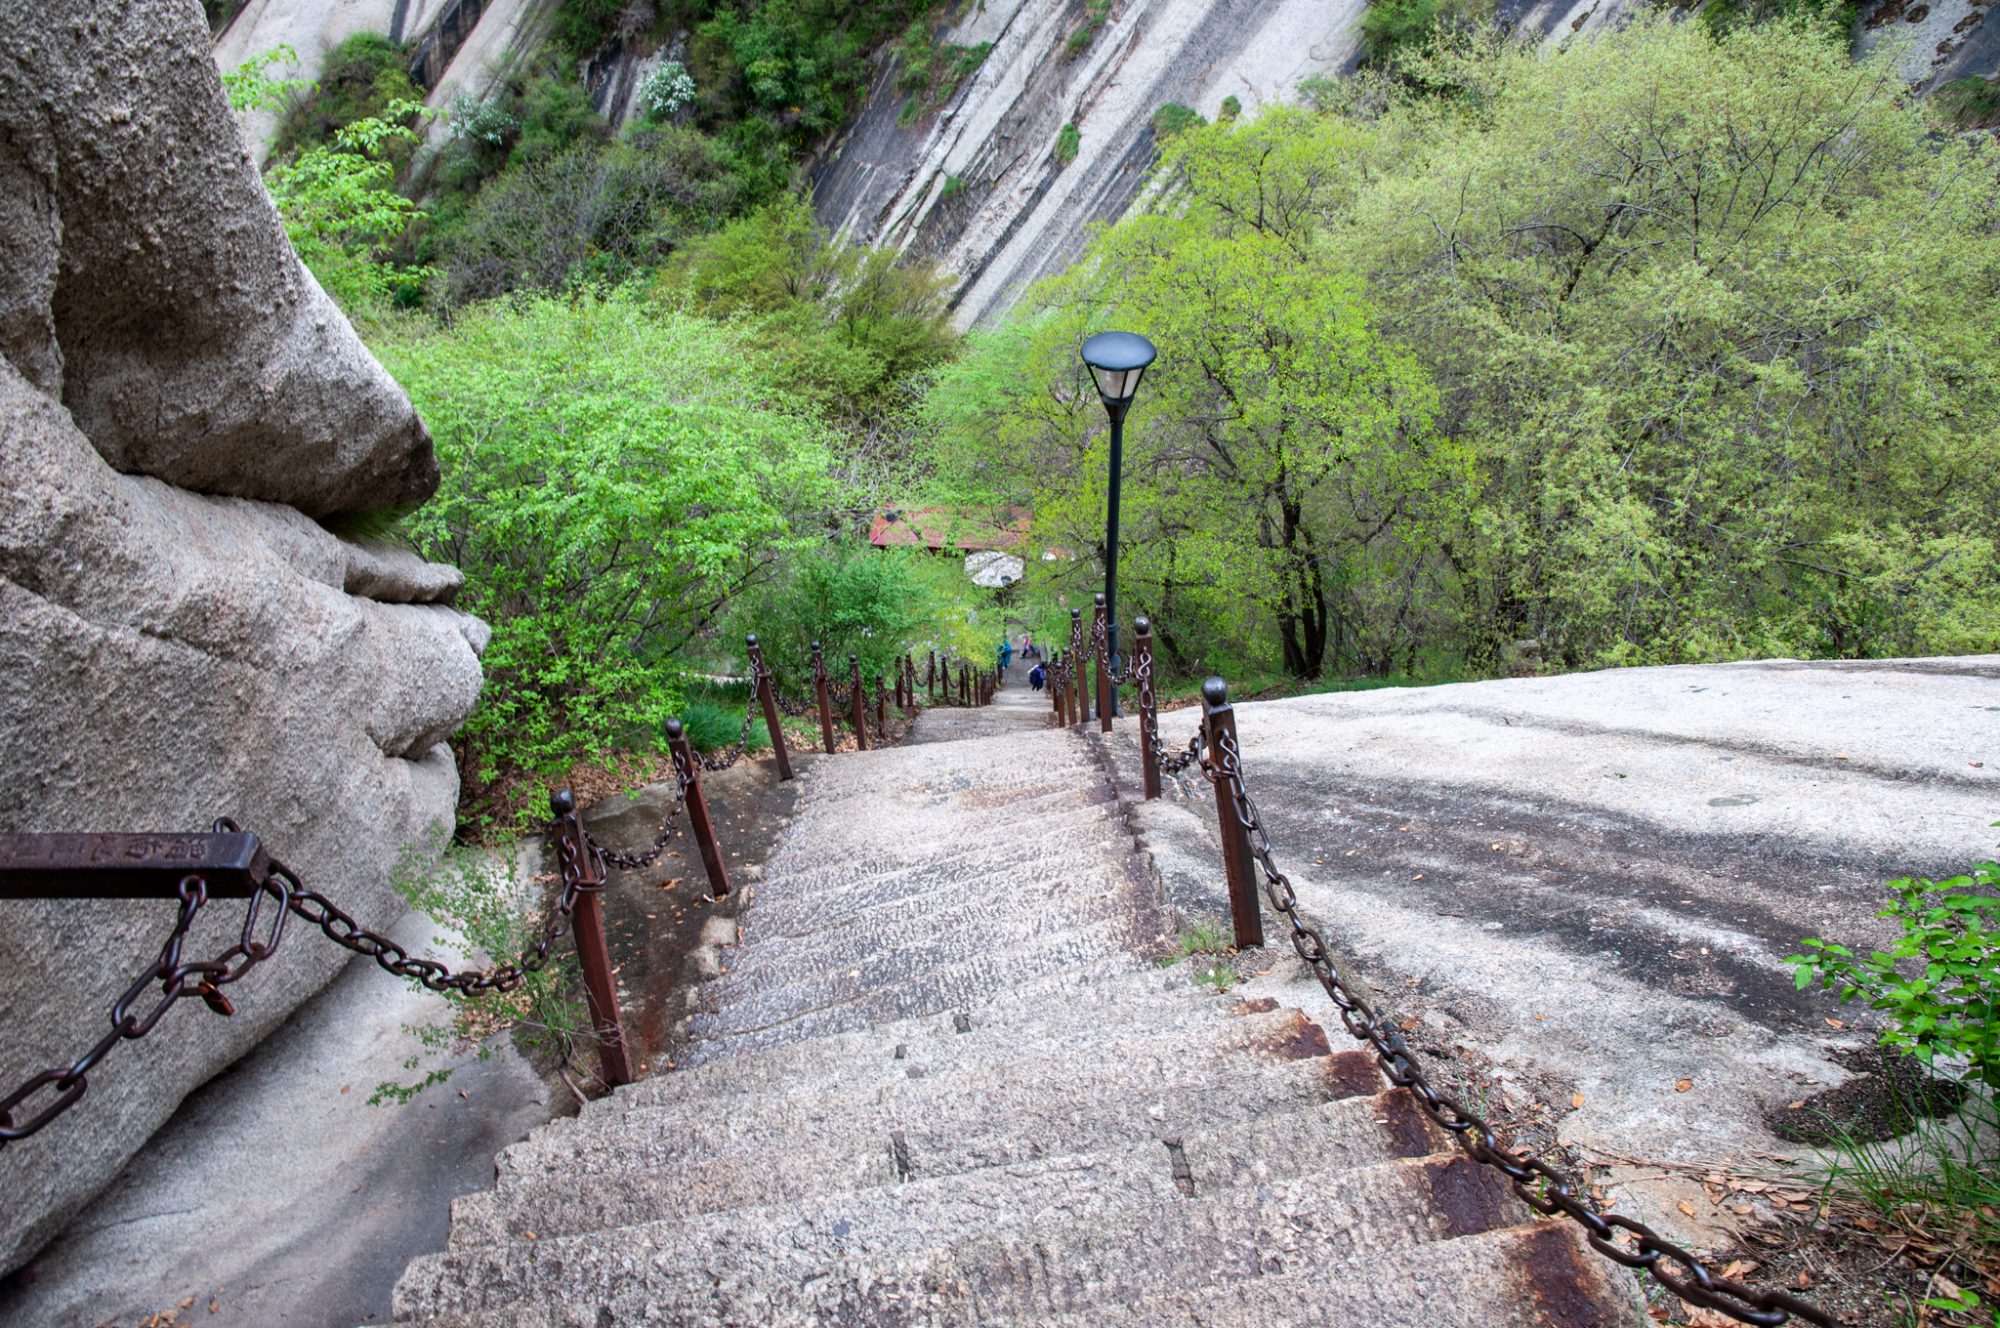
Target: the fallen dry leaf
pixel 1739 1269
pixel 1793 1106
pixel 1576 1100
pixel 1683 1085
pixel 1835 1023
pixel 1687 1208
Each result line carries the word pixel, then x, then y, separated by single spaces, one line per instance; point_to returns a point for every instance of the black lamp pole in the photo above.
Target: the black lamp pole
pixel 1117 361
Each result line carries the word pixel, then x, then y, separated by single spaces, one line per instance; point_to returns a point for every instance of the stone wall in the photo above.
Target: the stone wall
pixel 179 639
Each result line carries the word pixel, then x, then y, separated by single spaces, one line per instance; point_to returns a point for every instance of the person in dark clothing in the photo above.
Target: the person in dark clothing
pixel 1035 677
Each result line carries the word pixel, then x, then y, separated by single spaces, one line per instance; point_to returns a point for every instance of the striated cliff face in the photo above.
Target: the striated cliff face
pixel 1015 212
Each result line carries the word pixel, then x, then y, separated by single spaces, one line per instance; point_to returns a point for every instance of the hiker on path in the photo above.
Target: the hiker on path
pixel 1028 650
pixel 1006 655
pixel 1035 677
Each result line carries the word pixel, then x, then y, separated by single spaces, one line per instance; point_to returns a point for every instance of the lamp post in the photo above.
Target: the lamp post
pixel 1117 361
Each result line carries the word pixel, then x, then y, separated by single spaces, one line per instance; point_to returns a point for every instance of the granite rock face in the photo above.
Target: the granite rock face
pixel 149 285
pixel 179 640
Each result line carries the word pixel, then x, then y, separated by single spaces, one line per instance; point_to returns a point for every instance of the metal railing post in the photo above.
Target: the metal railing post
pixel 1052 679
pixel 1079 661
pixel 881 711
pixel 687 766
pixel 1219 723
pixel 930 675
pixel 857 702
pixel 600 989
pixel 825 706
pixel 1149 719
pixel 1105 706
pixel 769 700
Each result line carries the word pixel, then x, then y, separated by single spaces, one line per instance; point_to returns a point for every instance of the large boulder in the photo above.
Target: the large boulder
pixel 170 656
pixel 148 283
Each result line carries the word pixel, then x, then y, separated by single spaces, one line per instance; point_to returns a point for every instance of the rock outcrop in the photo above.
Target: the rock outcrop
pixel 171 656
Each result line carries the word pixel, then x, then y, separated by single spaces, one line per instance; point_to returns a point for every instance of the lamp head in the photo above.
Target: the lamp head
pixel 1118 360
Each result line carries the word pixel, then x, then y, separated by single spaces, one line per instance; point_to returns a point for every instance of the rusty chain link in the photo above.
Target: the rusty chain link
pixel 206 978
pixel 1697 1286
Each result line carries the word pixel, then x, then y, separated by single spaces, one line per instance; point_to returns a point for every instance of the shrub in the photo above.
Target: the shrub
pixel 1172 118
pixel 667 89
pixel 611 480
pixel 1067 144
pixel 360 79
pixel 1952 930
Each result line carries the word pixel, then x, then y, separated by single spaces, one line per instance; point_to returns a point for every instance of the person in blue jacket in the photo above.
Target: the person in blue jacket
pixel 1006 655
pixel 1035 677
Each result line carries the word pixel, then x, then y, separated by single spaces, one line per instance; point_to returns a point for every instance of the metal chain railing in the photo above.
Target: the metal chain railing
pixel 206 978
pixel 1537 1184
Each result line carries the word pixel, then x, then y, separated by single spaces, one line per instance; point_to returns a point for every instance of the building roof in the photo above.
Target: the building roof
pixel 964 529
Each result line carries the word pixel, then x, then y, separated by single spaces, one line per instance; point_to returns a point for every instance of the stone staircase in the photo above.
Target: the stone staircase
pixel 944 1080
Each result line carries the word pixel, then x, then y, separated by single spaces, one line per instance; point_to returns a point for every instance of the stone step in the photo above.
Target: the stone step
pixel 1340 1185
pixel 805 1009
pixel 794 901
pixel 577 1175
pixel 876 946
pixel 1051 1012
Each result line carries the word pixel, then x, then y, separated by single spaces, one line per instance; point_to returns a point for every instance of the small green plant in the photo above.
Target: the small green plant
pixel 252 89
pixel 961 63
pixel 1095 13
pixel 1231 108
pixel 1203 938
pixel 1952 929
pixel 470 894
pixel 1969 103
pixel 1067 144
pixel 912 111
pixel 1218 975
pixel 1173 118
pixel 953 187
pixel 915 53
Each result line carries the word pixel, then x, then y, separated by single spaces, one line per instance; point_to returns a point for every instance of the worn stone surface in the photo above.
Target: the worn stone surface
pixel 149 285
pixel 172 656
pixel 278 1194
pixel 1592 879
pixel 943 1080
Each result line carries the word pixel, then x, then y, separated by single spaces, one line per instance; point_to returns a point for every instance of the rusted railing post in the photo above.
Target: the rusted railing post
pixel 857 702
pixel 768 698
pixel 1052 679
pixel 687 768
pixel 899 684
pixel 965 684
pixel 1079 661
pixel 930 675
pixel 825 706
pixel 1219 723
pixel 909 686
pixel 881 711
pixel 586 920
pixel 1149 719
pixel 1105 705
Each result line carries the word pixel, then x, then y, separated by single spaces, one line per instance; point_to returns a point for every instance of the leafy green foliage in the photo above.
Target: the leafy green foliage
pixel 587 215
pixel 1173 118
pixel 612 479
pixel 1395 28
pixel 1095 12
pixel 797 67
pixel 711 726
pixel 363 78
pixel 1728 400
pixel 1968 103
pixel 1951 930
pixel 251 88
pixel 844 324
pixel 470 894
pixel 1068 142
pixel 853 599
pixel 342 214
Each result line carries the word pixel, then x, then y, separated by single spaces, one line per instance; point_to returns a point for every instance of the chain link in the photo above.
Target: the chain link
pixel 1537 1184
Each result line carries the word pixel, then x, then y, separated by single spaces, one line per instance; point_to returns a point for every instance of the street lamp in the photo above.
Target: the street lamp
pixel 1117 360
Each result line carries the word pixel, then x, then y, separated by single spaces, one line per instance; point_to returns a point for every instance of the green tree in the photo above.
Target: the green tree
pixel 1714 312
pixel 612 479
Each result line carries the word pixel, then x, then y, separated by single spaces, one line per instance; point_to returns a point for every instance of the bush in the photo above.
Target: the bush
pixel 667 89
pixel 848 596
pixel 587 215
pixel 1953 932
pixel 1068 142
pixel 611 480
pixel 361 78
pixel 1172 118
